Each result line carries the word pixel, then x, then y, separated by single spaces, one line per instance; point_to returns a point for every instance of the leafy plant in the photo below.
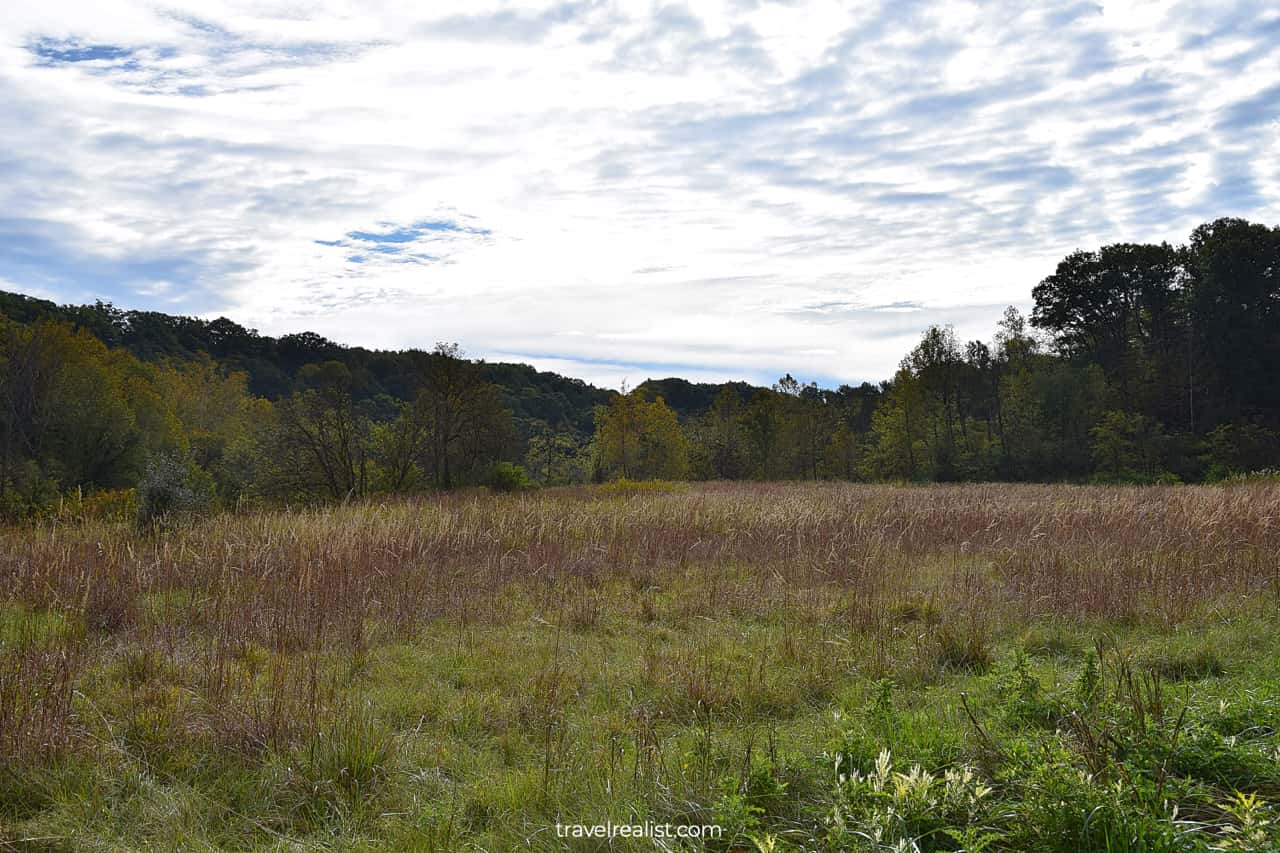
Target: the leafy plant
pixel 508 477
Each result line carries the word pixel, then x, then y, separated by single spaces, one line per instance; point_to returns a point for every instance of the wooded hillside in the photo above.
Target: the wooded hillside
pixel 1139 363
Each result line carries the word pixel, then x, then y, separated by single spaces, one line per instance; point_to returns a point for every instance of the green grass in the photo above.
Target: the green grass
pixel 672 681
pixel 22 626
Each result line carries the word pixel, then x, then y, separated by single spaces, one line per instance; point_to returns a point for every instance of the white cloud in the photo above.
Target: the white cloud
pixel 724 189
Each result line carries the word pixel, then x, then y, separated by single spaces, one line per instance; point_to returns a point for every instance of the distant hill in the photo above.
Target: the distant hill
pixel 691 398
pixel 537 398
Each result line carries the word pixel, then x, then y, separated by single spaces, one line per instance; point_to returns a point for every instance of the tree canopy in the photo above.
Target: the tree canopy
pixel 1139 363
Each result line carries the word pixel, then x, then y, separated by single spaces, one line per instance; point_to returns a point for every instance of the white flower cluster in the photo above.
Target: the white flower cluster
pixel 882 806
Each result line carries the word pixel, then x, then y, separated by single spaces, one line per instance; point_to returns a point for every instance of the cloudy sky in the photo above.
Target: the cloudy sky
pixel 619 190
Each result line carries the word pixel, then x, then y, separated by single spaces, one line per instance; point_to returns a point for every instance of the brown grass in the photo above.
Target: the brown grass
pixel 253 609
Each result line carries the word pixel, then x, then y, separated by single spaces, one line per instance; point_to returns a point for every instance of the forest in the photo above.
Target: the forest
pixel 1139 363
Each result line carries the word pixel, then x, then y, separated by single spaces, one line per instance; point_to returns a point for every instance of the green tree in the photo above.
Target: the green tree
pixel 935 366
pixel 898 430
pixel 720 443
pixel 460 418
pixel 641 440
pixel 1234 270
pixel 1243 447
pixel 808 422
pixel 398 447
pixel 1110 304
pixel 764 423
pixel 65 414
pixel 843 455
pixel 1127 446
pixel 552 458
pixel 218 417
pixel 321 444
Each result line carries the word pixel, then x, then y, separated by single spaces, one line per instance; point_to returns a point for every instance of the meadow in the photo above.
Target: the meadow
pixel 804 666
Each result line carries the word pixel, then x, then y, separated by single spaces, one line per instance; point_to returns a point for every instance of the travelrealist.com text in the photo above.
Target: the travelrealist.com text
pixel 648 829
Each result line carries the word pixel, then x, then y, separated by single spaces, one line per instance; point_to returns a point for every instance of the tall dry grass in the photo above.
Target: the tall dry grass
pixel 256 608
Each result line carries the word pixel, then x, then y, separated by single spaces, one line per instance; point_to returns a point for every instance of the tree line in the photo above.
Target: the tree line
pixel 1138 363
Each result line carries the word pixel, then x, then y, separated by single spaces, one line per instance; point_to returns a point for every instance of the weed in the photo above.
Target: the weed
pixel 345 762
pixel 965 648
pixel 1190 665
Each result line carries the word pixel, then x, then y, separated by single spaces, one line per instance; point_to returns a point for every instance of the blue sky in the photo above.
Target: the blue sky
pixel 721 190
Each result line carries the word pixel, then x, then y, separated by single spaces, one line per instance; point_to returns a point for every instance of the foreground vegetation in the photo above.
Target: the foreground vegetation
pixel 823 666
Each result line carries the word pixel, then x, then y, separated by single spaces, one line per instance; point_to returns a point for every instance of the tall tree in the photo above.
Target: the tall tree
pixel 323 438
pixel 720 444
pixel 1120 307
pixel 1234 270
pixel 552 458
pixel 898 429
pixel 763 424
pixel 641 440
pixel 65 409
pixel 463 417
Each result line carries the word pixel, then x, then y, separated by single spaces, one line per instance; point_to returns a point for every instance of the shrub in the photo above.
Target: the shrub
pixel 28 492
pixel 1024 701
pixel 172 487
pixel 1264 475
pixel 506 477
pixel 909 810
pixel 1240 448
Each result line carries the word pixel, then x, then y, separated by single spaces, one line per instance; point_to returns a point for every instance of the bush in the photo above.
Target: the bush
pixel 172 487
pixel 28 492
pixel 1265 475
pixel 506 477
pixel 1243 447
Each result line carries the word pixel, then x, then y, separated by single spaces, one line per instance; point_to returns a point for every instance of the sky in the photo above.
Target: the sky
pixel 618 191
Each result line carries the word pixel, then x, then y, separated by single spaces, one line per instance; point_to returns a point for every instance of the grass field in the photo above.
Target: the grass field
pixel 805 667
